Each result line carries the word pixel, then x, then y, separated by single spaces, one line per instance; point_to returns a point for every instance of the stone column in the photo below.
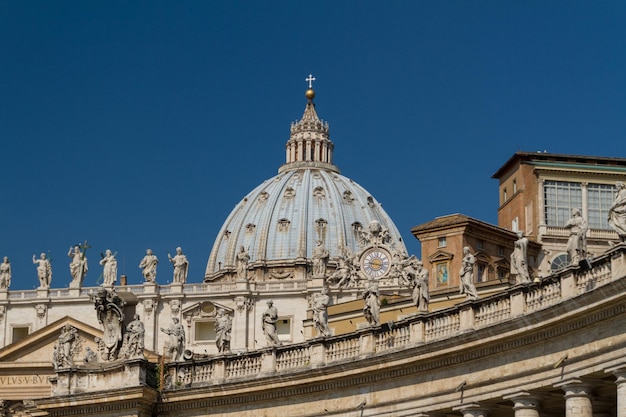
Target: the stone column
pixel 524 404
pixel 620 375
pixel 577 398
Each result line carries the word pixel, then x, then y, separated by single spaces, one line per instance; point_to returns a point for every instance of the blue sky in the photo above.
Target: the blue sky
pixel 140 125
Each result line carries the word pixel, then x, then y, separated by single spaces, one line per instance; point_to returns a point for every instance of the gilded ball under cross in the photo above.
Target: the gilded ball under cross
pixel 310 94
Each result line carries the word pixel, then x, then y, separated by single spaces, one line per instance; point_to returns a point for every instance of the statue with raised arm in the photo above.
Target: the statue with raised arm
pixel 466 285
pixel 148 266
pixel 223 327
pixel 242 263
pixel 577 242
pixel 519 265
pixel 270 318
pixel 44 270
pixel 181 266
pixel 109 268
pixel 617 211
pixel 319 305
pixel 5 274
pixel 371 308
pixel 320 259
pixel 78 265
pixel 175 343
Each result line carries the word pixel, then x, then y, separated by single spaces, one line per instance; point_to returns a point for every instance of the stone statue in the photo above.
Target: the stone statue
pixel 519 264
pixel 5 274
pixel 148 266
pixel 408 270
pixel 175 343
pixel 346 274
pixel 108 307
pixel 320 312
pixel 78 266
pixel 242 263
pixel 577 242
pixel 67 346
pixel 270 317
pixel 223 327
pixel 109 270
pixel 44 271
pixel 181 266
pixel 133 344
pixel 466 285
pixel 371 308
pixel 617 211
pixel 420 293
pixel 90 355
pixel 320 259
pixel 375 234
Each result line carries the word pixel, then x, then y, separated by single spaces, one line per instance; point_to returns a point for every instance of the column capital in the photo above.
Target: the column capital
pixel 576 387
pixel 524 400
pixel 471 410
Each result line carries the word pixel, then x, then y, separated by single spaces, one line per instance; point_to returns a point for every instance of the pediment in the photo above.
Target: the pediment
pixel 38 346
pixel 205 309
pixel 440 255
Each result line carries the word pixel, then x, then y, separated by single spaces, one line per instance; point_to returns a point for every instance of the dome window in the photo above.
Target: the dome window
pixel 319 192
pixel 283 225
pixel 250 228
pixel 348 197
pixel 263 197
pixel 290 193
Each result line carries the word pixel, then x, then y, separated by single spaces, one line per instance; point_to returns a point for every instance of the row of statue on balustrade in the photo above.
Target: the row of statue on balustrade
pixel 345 273
pixel 79 267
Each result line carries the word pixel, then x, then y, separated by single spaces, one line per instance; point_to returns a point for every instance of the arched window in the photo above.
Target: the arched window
pixel 559 262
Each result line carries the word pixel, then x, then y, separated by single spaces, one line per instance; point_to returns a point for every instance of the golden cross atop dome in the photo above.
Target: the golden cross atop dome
pixel 310 80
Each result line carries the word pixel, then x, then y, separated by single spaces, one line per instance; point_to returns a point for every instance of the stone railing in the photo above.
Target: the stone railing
pixel 409 332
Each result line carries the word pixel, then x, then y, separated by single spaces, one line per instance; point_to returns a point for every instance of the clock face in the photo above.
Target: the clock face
pixel 375 263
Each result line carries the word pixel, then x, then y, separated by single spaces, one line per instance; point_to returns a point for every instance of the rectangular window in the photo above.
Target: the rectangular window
pixel 19 333
pixel 480 244
pixel 500 251
pixel 501 275
pixel 504 196
pixel 283 329
pixel 559 199
pixel 204 331
pixel 442 242
pixel 514 186
pixel 599 199
pixel 481 273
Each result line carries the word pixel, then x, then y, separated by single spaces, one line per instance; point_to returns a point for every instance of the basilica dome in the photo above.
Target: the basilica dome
pixel 281 221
